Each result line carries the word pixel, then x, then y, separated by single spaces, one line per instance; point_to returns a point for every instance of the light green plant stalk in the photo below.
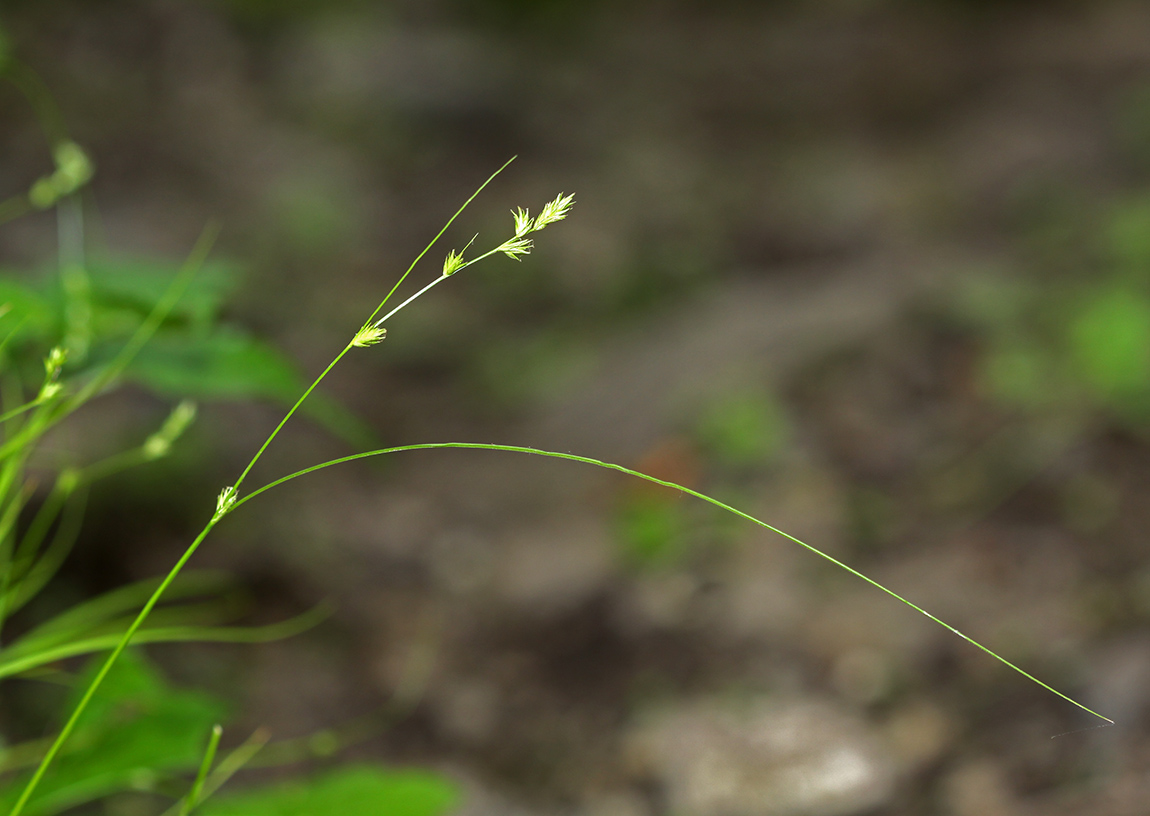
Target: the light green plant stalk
pixel 570 457
pixel 370 333
pixel 373 331
pixel 227 768
pixel 205 766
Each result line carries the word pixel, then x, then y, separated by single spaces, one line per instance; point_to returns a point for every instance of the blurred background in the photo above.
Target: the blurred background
pixel 875 271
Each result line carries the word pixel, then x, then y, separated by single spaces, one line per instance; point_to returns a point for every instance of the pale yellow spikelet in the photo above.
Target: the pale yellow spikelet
pixel 554 211
pixel 369 335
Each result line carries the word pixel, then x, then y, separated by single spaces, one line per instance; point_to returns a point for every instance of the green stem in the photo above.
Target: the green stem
pixel 116 463
pixel 90 692
pixel 405 303
pixel 28 434
pixel 209 757
pixel 15 412
pixel 134 345
pixel 610 466
pixel 153 321
pixel 227 768
pixel 288 416
pixel 438 235
pixel 271 437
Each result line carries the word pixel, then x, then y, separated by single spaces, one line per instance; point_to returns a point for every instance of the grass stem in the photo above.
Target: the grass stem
pixel 696 494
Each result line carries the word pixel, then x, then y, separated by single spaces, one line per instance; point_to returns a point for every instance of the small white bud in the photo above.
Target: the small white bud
pixel 52 365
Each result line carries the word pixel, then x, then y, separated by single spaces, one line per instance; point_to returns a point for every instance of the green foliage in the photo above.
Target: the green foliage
pixel 126 728
pixel 653 530
pixel 136 731
pixel 1110 345
pixel 1071 346
pixel 191 356
pixel 136 285
pixel 178 351
pixel 29 314
pixel 355 790
pixel 228 364
pixel 67 338
pixel 743 428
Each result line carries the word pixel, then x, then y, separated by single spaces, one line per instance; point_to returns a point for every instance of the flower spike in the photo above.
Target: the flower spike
pixel 369 335
pixel 554 211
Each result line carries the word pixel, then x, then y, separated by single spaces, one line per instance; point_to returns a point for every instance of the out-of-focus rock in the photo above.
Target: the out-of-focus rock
pixel 659 601
pixel 616 803
pixel 918 733
pixel 555 568
pixel 980 788
pixel 862 675
pixel 480 800
pixel 800 757
pixel 468 710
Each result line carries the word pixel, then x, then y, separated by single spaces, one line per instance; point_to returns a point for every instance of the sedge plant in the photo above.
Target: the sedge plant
pixel 66 339
pixel 372 332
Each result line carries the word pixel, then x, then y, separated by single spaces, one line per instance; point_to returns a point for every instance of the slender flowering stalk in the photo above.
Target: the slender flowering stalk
pixel 513 248
pixel 371 332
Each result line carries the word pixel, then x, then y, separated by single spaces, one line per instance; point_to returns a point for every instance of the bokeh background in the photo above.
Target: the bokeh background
pixel 876 271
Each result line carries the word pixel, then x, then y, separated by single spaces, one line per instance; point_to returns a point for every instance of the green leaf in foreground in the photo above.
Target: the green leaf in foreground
pixel 135 728
pixel 357 790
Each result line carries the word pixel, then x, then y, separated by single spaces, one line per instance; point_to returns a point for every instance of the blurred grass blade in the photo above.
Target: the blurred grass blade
pixel 147 329
pixel 193 796
pixel 229 766
pixel 84 617
pixel 28 583
pixel 144 332
pixel 20 658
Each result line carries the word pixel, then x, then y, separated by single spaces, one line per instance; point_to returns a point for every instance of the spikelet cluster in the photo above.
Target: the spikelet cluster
pixel 519 244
